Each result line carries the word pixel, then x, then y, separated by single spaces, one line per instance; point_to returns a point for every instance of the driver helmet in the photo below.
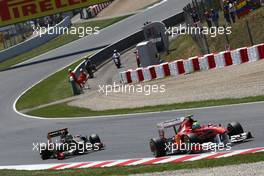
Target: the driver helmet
pixel 77 136
pixel 65 132
pixel 196 125
pixel 115 51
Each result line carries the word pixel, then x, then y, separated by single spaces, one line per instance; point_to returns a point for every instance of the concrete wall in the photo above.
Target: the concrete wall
pixel 31 43
pixel 105 54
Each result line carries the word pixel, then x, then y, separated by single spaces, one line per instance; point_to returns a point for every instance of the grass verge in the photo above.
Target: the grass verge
pixel 53 88
pixel 235 160
pixel 239 29
pixel 1 46
pixel 64 110
pixel 58 42
pixel 182 47
pixel 57 86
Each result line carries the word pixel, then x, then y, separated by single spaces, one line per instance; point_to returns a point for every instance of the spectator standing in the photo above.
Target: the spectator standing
pixel 73 75
pixel 137 58
pixel 195 16
pixel 232 11
pixel 81 14
pixel 208 18
pixel 250 4
pixel 82 78
pixel 226 12
pixel 215 17
pixel 76 87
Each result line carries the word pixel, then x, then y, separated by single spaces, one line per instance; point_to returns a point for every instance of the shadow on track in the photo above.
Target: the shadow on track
pixel 53 58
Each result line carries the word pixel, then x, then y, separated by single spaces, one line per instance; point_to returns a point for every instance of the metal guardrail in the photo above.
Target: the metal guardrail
pixel 31 43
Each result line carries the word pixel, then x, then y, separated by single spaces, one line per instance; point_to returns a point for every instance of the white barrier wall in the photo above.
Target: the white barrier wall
pixel 134 76
pixel 235 54
pixel 188 66
pixel 203 63
pixel 253 54
pixel 159 71
pixel 173 68
pixel 209 61
pixel 146 74
pixel 32 43
pixel 95 9
pixel 219 60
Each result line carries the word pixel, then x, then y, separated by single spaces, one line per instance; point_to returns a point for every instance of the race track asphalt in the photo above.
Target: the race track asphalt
pixel 124 136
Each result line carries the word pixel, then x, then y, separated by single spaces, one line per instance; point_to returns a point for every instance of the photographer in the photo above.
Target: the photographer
pixel 116 59
pixel 90 67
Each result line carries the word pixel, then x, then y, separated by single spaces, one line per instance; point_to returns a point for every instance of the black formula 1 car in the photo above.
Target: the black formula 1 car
pixel 67 145
pixel 190 137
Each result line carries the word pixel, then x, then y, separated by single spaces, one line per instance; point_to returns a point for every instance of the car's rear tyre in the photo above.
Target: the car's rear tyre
pixel 234 128
pixel 191 143
pixel 157 147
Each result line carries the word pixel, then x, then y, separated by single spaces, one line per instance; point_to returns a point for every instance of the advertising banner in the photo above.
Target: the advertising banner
pixel 15 11
pixel 242 8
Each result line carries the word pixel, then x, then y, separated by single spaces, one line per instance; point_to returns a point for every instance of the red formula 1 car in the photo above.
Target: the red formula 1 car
pixel 191 137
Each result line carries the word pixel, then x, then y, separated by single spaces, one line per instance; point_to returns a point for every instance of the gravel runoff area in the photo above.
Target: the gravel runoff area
pixel 230 82
pixel 125 6
pixel 252 169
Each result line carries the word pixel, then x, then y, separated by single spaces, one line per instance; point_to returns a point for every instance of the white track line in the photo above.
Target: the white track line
pixel 126 115
pixel 157 4
pixel 29 167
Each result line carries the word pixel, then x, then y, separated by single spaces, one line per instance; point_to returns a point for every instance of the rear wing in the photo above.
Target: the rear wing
pixel 57 133
pixel 172 123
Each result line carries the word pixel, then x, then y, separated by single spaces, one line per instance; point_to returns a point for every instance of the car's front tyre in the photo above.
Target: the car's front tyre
pixel 234 128
pixel 95 139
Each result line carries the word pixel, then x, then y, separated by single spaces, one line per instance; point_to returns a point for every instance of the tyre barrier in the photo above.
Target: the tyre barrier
pixel 194 64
